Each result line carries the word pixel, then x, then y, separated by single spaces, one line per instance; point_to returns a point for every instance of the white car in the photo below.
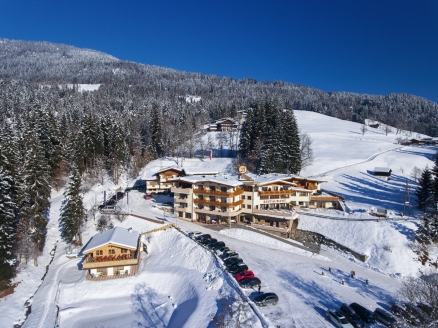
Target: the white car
pixel 338 319
pixel 194 234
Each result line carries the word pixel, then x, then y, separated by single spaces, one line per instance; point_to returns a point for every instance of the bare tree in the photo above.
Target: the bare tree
pixel 424 291
pixel 416 174
pixel 306 150
pixel 388 129
pixel 363 129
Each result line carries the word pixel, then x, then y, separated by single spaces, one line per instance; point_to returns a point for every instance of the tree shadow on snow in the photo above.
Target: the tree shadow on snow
pixel 409 233
pixel 146 304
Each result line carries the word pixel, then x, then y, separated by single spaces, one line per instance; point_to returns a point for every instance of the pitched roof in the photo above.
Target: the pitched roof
pixel 382 169
pixel 116 236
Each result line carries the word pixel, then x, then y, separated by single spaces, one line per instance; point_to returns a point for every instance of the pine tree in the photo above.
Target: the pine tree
pixel 157 132
pixel 36 196
pixel 424 190
pixel 7 221
pixel 72 215
pixel 435 180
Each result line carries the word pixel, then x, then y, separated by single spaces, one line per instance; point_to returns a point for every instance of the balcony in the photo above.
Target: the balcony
pixel 216 203
pixel 276 192
pixel 108 261
pixel 217 212
pixel 283 213
pixel 182 209
pixel 181 190
pixel 323 199
pixel 239 191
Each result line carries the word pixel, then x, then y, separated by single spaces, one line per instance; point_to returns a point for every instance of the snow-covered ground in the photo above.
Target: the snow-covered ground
pixel 180 284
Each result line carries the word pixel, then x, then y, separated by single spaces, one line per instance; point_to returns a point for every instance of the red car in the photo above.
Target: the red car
pixel 244 275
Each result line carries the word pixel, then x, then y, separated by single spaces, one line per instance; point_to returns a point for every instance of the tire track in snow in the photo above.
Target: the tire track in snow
pixel 369 159
pixel 50 297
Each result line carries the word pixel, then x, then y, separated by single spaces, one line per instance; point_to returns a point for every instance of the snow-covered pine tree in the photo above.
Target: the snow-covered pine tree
pixel 7 221
pixel 36 195
pixel 435 180
pixel 291 143
pixel 424 190
pixel 72 213
pixel 156 129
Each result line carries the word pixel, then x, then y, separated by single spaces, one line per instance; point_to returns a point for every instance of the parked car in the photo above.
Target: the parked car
pixel 204 236
pixel 120 194
pixel 168 204
pixel 209 242
pixel 351 316
pixel 401 312
pixel 194 234
pixel 244 275
pixel 108 209
pixel 365 314
pixel 338 319
pixel 230 262
pixel 265 299
pixel 230 256
pixel 225 254
pixel 250 282
pixel 221 250
pixel 217 245
pixel 111 201
pixel 239 267
pixel 205 241
pixel 387 319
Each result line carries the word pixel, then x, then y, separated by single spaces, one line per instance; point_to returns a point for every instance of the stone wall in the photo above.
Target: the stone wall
pixel 316 238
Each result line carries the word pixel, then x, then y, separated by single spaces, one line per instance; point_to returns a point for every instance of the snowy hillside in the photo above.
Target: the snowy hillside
pixel 180 284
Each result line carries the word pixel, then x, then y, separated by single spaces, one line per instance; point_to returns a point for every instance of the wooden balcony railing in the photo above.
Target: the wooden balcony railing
pixel 239 191
pixel 276 192
pixel 215 203
pixel 285 213
pixel 110 260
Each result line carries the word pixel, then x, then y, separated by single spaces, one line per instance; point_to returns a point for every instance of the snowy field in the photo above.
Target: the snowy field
pixel 180 284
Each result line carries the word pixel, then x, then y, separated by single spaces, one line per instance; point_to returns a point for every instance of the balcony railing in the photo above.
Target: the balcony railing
pixel 323 199
pixel 276 192
pixel 111 260
pixel 285 213
pixel 217 212
pixel 215 203
pixel 184 190
pixel 239 191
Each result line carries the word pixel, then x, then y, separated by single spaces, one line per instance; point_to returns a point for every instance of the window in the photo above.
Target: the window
pixel 248 206
pixel 183 205
pixel 99 252
pixel 188 215
pixel 243 205
pixel 243 197
pixel 180 214
pixel 112 251
pixel 201 197
pixel 212 188
pixel 285 187
pixel 212 198
pixel 249 197
pixel 264 188
pixel 200 187
pixel 223 209
pixel 123 250
pixel 201 206
pixel 224 189
pixel 212 208
pixel 223 199
pixel 275 188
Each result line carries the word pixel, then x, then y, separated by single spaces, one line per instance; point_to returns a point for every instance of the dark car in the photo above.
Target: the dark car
pixel 365 314
pixel 230 256
pixel 111 201
pixel 204 241
pixel 239 267
pixel 202 237
pixel 387 319
pixel 265 299
pixel 250 282
pixel 225 253
pixel 351 316
pixel 230 262
pixel 401 312
pixel 209 242
pixel 217 245
pixel 120 195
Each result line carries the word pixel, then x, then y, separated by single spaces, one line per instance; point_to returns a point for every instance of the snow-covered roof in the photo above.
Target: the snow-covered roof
pixel 116 236
pixel 382 169
pixel 174 168
pixel 200 171
pixel 228 180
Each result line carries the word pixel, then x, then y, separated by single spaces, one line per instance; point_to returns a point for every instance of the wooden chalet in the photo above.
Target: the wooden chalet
pixel 382 172
pixel 224 124
pixel 112 253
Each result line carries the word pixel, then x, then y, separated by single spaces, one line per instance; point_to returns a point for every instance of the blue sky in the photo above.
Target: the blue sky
pixel 374 47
